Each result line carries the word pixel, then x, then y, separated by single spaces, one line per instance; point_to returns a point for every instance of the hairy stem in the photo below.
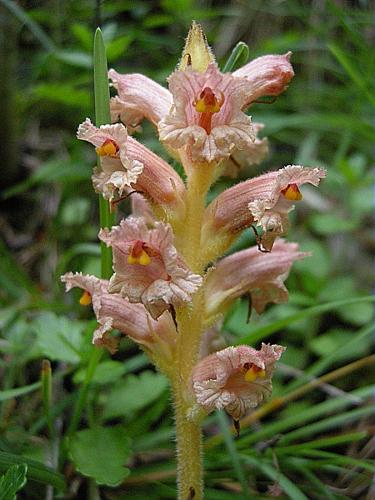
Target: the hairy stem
pixel 190 326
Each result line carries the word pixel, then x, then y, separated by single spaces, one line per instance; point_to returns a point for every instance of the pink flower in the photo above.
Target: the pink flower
pixel 204 109
pixel 141 208
pixel 267 75
pixel 251 272
pixel 207 116
pixel 265 200
pixel 117 171
pixel 235 379
pixel 113 311
pixel 126 163
pixel 147 266
pixel 159 181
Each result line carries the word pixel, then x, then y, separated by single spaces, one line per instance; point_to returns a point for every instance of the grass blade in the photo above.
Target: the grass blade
pixel 238 57
pixel 257 334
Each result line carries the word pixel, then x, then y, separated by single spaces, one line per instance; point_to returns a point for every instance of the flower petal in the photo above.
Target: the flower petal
pixel 230 127
pixel 267 75
pixel 159 181
pixel 253 155
pixel 257 200
pixel 138 97
pixel 113 311
pixel 117 171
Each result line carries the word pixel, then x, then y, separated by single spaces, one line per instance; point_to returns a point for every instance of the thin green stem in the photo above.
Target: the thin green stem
pixel 84 390
pixel 102 116
pixel 46 376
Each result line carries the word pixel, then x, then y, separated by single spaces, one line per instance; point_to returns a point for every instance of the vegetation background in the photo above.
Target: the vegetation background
pixel 314 439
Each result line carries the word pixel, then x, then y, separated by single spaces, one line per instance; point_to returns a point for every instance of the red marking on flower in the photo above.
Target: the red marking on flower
pixel 207 105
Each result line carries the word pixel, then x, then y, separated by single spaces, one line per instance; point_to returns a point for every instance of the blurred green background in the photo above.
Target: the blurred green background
pixel 314 447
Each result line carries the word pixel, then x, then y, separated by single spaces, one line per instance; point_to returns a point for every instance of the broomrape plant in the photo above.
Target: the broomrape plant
pixel 171 286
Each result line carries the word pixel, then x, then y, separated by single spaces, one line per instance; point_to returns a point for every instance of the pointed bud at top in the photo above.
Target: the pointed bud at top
pixel 197 54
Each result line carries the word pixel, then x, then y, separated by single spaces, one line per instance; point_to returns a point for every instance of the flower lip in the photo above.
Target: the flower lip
pixel 207 105
pixel 85 299
pixel 139 254
pixel 108 148
pixel 292 193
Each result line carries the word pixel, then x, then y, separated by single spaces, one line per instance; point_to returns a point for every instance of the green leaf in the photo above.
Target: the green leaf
pixel 59 338
pixel 101 453
pixel 63 93
pixel 134 393
pixel 117 48
pixel 106 372
pixel 101 87
pixel 256 334
pixel 353 71
pixel 238 57
pixel 232 450
pixel 331 223
pixel 36 471
pixel 19 391
pixel 12 481
pixel 55 170
pixel 335 340
pixel 301 418
pixel 83 35
pixel 292 491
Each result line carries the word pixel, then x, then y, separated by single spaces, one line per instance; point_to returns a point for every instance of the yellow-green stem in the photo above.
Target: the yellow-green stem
pixel 189 449
pixel 190 325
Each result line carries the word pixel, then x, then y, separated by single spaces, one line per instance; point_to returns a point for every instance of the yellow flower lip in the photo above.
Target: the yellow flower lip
pixel 208 102
pixel 108 148
pixel 292 193
pixel 138 254
pixel 252 372
pixel 85 299
pixel 207 105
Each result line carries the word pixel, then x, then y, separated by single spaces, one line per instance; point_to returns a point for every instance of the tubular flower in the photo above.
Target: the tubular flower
pixel 251 272
pixel 117 171
pixel 264 200
pixel 207 116
pixel 141 208
pixel 147 266
pixel 204 109
pixel 159 181
pixel 267 75
pixel 235 379
pixel 125 162
pixel 113 311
